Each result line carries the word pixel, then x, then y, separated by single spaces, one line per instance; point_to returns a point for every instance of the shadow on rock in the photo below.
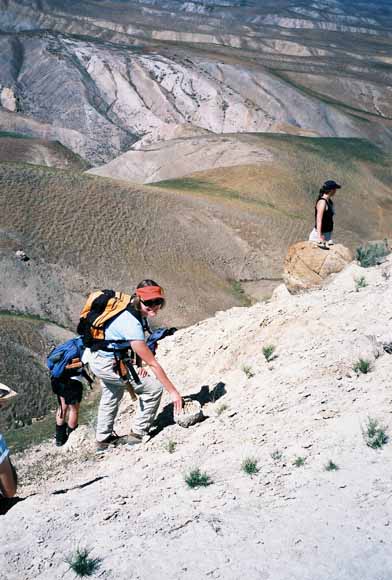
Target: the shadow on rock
pixel 6 503
pixel 204 396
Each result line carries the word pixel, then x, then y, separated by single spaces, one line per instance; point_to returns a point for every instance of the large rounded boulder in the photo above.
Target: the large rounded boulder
pixel 307 265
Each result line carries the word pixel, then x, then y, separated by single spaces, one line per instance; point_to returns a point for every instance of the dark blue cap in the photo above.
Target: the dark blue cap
pixel 330 184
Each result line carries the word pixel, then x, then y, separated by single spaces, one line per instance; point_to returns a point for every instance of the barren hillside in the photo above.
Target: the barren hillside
pixel 196 235
pixel 99 77
pixel 38 152
pixel 318 503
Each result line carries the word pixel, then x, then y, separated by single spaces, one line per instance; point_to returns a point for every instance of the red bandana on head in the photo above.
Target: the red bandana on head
pixel 150 292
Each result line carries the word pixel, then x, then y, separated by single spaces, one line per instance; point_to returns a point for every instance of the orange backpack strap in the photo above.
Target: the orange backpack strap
pixel 100 308
pixel 114 306
pixel 90 300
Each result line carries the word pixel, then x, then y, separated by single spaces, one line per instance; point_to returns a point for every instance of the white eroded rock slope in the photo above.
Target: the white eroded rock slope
pixel 173 158
pixel 100 77
pixel 99 99
pixel 286 522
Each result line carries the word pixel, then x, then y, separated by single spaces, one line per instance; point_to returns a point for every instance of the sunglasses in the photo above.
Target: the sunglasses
pixel 153 303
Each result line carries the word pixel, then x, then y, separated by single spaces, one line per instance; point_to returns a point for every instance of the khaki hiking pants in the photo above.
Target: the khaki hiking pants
pixel 149 396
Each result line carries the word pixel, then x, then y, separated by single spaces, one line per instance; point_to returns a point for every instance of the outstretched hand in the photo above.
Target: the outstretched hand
pixel 177 402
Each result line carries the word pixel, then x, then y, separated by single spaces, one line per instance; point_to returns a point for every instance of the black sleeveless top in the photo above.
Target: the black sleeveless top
pixel 327 222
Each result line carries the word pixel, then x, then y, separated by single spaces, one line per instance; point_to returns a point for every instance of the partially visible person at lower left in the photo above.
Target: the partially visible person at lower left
pixel 8 477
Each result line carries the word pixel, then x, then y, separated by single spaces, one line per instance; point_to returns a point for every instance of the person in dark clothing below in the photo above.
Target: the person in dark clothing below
pixel 324 212
pixel 69 391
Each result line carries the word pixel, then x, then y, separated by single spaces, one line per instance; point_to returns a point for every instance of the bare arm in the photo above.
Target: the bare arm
pixel 140 348
pixel 8 478
pixel 321 205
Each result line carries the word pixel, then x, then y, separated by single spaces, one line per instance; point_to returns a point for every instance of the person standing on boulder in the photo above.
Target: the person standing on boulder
pixel 324 212
pixel 127 332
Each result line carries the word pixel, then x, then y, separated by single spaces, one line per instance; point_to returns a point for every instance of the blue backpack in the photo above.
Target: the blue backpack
pixel 69 354
pixel 157 335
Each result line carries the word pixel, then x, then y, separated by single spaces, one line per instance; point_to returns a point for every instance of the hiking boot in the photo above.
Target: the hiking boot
pixel 102 446
pixel 133 439
pixel 61 435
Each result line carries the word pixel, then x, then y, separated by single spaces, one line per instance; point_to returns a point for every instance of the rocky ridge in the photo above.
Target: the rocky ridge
pixel 286 521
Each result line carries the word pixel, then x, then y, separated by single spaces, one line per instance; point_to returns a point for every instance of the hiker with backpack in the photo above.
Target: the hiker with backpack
pixel 69 390
pixel 68 375
pixel 123 333
pixel 324 212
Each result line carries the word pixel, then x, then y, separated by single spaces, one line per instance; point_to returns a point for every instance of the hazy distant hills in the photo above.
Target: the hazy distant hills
pixel 99 100
pixel 38 152
pixel 106 75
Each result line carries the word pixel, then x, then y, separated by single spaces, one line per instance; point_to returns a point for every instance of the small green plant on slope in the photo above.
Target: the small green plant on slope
pixel 268 352
pixel 276 455
pixel 372 254
pixel 331 466
pixel 361 366
pixel 239 293
pixel 247 369
pixel 81 563
pixel 221 408
pixel 196 478
pixel 299 461
pixel 374 434
pixel 360 283
pixel 249 466
pixel 171 446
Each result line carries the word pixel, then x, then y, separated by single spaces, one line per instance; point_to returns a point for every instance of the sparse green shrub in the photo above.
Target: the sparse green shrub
pixel 331 466
pixel 196 478
pixel 81 563
pixel 223 407
pixel 276 455
pixel 171 446
pixel 374 434
pixel 361 366
pixel 372 254
pixel 360 283
pixel 247 369
pixel 249 466
pixel 239 293
pixel 268 352
pixel 299 461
